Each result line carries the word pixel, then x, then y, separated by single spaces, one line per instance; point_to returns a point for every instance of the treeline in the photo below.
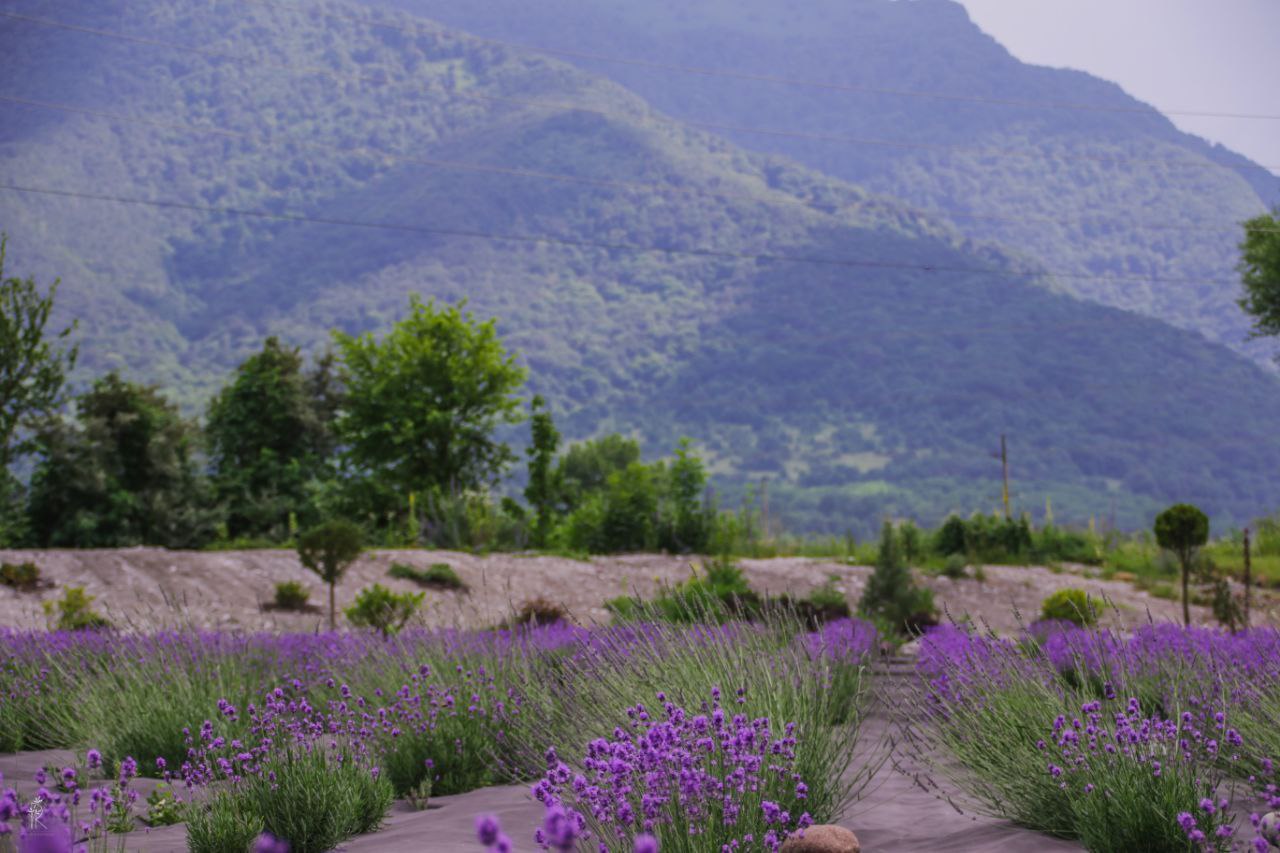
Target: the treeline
pixel 395 433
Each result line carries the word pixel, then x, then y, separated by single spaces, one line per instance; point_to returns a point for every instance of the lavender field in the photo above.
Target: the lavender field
pixel 639 736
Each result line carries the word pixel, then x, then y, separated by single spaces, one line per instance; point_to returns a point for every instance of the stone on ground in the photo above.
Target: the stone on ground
pixel 823 838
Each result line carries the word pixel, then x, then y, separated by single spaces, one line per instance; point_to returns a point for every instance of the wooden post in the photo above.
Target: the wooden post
pixel 1247 577
pixel 1004 468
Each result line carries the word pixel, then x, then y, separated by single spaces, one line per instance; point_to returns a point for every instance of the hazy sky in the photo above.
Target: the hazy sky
pixel 1198 55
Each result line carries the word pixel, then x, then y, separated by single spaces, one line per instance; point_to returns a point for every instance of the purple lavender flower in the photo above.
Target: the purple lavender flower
pixel 646 844
pixel 268 843
pixel 488 829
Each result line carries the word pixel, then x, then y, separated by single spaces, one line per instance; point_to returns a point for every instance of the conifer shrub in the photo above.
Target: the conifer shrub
pixel 891 595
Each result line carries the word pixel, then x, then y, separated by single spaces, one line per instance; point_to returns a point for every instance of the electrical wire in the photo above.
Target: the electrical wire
pixel 593 244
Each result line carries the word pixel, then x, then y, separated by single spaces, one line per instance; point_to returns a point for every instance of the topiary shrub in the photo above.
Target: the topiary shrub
pixel 23 577
pixel 1183 529
pixel 383 610
pixel 74 612
pixel 1071 605
pixel 328 550
pixel 291 595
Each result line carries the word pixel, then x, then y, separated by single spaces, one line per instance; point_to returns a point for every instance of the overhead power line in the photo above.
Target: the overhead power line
pixel 552 240
pixel 702 71
pixel 363 150
pixel 710 125
pixel 695 252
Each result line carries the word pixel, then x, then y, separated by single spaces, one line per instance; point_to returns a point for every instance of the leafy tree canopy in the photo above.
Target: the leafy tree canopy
pixel 123 474
pixel 1260 269
pixel 423 401
pixel 269 440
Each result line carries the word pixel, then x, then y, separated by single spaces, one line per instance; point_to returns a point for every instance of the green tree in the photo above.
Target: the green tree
pixel 124 474
pixel 692 517
pixel 269 438
pixel 1183 529
pixel 33 368
pixel 585 467
pixel 1260 271
pixel 422 403
pixel 329 550
pixel 383 610
pixel 541 492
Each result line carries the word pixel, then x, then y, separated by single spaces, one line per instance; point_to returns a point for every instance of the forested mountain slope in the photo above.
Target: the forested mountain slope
pixel 656 278
pixel 1103 195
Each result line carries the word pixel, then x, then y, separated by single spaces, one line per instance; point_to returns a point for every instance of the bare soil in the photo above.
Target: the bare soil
pixel 153 588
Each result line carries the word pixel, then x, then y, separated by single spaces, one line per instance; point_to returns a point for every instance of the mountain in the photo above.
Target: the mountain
pixel 1082 178
pixel 262 168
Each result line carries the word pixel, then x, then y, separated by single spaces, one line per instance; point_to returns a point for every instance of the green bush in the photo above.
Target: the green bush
pixel 163 807
pixel 383 610
pixel 74 611
pixel 826 603
pixel 955 567
pixel 23 576
pixel 539 611
pixel 291 595
pixel 308 798
pixel 437 575
pixel 1071 605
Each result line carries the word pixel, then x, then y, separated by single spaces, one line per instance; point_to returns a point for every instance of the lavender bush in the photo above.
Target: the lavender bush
pixel 1160 740
pixel 704 780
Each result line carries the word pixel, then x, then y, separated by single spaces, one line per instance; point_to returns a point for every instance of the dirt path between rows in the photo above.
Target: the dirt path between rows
pixel 153 588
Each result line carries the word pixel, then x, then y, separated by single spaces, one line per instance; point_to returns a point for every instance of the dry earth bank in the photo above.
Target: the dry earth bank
pixel 152 588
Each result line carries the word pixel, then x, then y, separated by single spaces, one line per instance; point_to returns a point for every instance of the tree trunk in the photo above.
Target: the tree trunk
pixel 1186 606
pixel 333 625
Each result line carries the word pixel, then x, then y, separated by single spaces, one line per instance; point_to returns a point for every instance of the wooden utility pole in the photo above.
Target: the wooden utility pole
pixel 1247 577
pixel 764 508
pixel 1004 469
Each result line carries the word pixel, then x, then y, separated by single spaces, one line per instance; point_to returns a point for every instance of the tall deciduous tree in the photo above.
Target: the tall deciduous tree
pixel 541 492
pixel 269 440
pixel 422 403
pixel 34 362
pixel 125 474
pixel 1260 270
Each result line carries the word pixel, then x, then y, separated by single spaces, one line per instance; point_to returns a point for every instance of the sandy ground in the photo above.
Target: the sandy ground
pixel 150 588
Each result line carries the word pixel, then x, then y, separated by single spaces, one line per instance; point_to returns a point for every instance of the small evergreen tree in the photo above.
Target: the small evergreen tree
pixel 891 594
pixel 541 491
pixel 328 550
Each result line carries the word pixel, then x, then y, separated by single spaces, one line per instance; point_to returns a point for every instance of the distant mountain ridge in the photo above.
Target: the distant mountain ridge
pixel 1071 189
pixel 661 281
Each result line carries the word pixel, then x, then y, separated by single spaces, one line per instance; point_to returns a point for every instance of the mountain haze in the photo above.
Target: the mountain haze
pixel 657 278
pixel 1079 176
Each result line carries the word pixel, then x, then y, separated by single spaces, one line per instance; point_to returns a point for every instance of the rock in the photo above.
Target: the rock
pixel 909 650
pixel 823 838
pixel 1269 828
